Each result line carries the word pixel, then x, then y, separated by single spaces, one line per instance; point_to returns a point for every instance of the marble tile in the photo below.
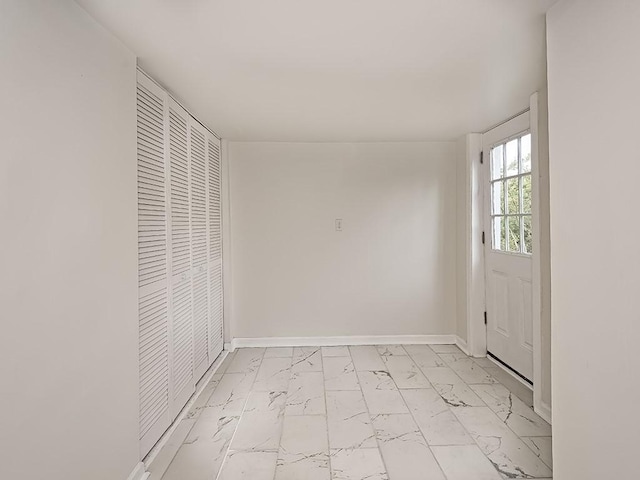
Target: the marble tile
pixel 229 397
pixel 389 350
pixel 467 369
pixel 339 374
pixel 201 402
pixel 261 423
pixel 207 429
pixel 521 391
pixel 167 453
pixel 226 362
pixel 204 450
pixel 342 351
pixel 307 359
pixel 366 358
pixel 404 450
pixel 304 434
pixel 357 464
pixel 380 392
pixel 248 466
pixel 465 462
pixel 508 454
pixel 387 412
pixel 436 421
pixel 195 462
pixel 441 375
pixel 458 395
pixel 511 410
pixel 278 352
pixel 484 362
pixel 451 357
pixel 423 356
pixel 348 421
pixel 541 447
pixel 246 360
pixel 273 375
pixel 404 372
pixel 446 349
pixel 306 394
pixel 293 466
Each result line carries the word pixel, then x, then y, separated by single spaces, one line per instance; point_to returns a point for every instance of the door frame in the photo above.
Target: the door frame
pixel 475 263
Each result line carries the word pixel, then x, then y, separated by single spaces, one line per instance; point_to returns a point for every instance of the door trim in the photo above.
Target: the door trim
pixel 475 269
pixel 539 150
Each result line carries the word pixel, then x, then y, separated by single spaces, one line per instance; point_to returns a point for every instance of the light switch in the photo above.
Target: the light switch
pixel 338 224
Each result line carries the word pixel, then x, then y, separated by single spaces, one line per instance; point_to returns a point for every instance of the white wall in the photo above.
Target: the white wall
pixel 594 103
pixel 68 288
pixel 390 271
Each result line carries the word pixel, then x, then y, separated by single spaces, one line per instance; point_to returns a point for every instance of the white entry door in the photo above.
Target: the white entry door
pixel 508 244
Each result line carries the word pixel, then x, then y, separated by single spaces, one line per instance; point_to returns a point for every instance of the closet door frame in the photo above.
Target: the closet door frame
pixel 177 400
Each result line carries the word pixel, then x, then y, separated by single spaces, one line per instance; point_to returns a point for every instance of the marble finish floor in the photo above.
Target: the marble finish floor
pixel 412 412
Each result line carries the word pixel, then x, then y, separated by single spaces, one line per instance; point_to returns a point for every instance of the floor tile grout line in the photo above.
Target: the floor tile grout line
pixel 244 406
pixel 326 411
pixel 366 405
pixel 284 409
pixel 540 456
pixel 465 428
pixel 415 421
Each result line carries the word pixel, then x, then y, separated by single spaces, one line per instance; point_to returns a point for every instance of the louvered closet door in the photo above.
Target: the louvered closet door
pixel 182 365
pixel 198 159
pixel 214 185
pixel 152 265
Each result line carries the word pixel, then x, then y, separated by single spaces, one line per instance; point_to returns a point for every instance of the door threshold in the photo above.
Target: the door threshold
pixel 514 373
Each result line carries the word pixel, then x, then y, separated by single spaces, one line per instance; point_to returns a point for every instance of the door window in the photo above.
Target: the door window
pixel 511 195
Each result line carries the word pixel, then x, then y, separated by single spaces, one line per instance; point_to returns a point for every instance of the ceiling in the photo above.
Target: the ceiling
pixel 338 70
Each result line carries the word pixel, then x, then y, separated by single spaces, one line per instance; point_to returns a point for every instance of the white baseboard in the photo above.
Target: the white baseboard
pixel 544 411
pixel 139 473
pixel 345 340
pixel 462 345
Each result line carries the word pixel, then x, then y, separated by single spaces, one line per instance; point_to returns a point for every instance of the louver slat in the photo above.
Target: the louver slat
pixel 152 265
pixel 181 291
pixel 215 248
pixel 199 246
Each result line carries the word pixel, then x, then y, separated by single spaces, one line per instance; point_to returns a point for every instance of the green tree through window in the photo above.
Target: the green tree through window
pixel 511 195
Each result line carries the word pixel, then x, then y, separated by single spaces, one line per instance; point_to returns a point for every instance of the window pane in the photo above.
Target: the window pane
pixel 497 162
pixel 528 234
pixel 513 196
pixel 498 234
pixel 513 232
pixel 526 193
pixel 497 198
pixel 512 157
pixel 525 153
